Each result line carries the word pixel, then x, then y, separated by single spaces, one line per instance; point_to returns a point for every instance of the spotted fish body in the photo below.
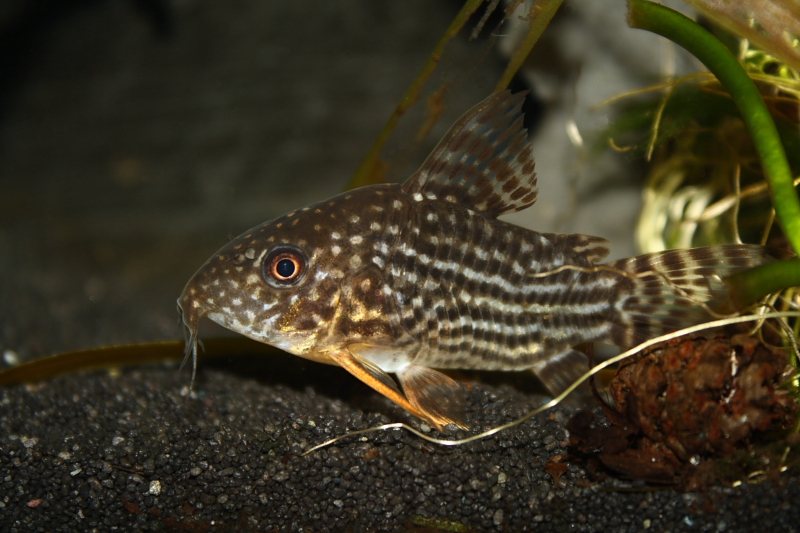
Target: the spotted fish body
pixel 408 278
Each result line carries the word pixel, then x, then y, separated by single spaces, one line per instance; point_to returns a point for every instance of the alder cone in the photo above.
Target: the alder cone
pixel 704 396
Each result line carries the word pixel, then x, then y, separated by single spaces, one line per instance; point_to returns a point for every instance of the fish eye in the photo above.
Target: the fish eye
pixel 284 266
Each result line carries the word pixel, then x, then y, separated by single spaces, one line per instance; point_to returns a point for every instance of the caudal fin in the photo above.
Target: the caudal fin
pixel 678 288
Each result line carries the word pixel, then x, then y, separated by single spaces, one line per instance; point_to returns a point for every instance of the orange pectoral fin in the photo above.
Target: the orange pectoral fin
pixel 434 393
pixel 379 380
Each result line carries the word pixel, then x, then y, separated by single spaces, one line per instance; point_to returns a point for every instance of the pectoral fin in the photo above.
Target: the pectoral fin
pixel 434 393
pixel 372 375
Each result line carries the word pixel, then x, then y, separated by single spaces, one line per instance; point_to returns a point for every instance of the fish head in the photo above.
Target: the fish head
pixel 281 283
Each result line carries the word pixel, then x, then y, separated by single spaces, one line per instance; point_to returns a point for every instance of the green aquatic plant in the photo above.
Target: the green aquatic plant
pixel 758 282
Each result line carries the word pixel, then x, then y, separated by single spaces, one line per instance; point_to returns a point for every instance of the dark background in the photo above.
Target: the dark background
pixel 136 136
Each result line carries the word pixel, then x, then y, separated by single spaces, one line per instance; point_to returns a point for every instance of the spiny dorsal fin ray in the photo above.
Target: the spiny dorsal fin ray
pixel 484 162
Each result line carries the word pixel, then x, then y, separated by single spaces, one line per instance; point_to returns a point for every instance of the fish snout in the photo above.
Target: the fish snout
pixel 193 303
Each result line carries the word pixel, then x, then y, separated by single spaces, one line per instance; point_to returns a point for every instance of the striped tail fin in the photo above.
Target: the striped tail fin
pixel 678 288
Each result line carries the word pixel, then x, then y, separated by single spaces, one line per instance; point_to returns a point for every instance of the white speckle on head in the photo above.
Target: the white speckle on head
pixel 336 250
pixel 375 226
pixel 317 227
pixel 335 235
pixel 354 219
pixel 434 240
pixel 250 253
pixel 355 261
pixel 432 217
pixel 430 196
pixel 378 261
pixel 356 239
pixel 234 283
pixel 418 197
pixel 377 208
pixel 394 230
pixel 336 273
pixel 237 301
pixel 397 204
pixel 424 259
pixel 410 252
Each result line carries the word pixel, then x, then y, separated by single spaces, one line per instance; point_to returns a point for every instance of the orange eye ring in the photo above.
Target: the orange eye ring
pixel 284 266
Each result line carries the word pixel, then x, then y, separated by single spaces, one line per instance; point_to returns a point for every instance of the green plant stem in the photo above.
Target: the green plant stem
pixel 368 172
pixel 540 16
pixel 716 57
pixel 751 285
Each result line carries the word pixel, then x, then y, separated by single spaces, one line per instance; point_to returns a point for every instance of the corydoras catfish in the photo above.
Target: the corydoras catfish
pixel 406 279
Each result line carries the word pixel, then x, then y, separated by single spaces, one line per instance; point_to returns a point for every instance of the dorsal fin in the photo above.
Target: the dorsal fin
pixel 484 162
